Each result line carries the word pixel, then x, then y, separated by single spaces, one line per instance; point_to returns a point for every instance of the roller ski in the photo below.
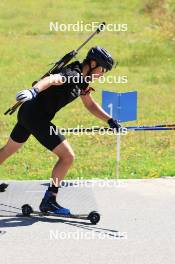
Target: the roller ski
pixel 93 217
pixel 49 207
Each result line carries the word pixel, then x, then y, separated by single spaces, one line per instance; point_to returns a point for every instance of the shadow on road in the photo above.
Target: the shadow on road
pixel 17 221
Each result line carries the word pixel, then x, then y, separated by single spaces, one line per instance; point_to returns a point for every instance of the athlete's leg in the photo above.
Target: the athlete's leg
pixel 17 138
pixel 9 149
pixel 59 146
pixel 66 157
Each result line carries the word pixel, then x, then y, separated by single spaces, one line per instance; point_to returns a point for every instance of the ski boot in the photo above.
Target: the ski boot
pixel 50 205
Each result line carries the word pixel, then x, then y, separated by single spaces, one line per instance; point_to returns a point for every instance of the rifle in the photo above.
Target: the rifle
pixel 60 64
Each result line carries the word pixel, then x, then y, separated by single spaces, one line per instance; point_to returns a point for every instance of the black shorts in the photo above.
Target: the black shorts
pixel 40 131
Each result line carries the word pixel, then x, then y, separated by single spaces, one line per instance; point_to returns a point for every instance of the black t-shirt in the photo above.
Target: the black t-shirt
pixel 51 100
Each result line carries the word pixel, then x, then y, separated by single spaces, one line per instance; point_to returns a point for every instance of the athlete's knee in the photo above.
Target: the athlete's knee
pixel 65 153
pixel 68 157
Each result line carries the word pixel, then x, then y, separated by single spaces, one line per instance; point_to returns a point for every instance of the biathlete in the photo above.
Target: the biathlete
pixel 40 104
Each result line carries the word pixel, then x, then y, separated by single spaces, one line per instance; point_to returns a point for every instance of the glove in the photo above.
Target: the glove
pixel 114 124
pixel 27 95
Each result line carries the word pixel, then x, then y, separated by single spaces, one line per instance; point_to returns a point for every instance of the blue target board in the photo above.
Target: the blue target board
pixel 121 106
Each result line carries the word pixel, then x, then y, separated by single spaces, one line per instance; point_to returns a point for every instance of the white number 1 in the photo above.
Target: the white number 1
pixel 111 108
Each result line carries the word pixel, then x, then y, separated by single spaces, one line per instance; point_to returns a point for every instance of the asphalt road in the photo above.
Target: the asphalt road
pixel 137 224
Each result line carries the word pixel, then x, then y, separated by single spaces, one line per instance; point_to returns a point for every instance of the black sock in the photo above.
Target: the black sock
pixel 53 189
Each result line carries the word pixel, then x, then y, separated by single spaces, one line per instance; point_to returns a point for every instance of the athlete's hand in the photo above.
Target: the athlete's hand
pixel 27 95
pixel 114 124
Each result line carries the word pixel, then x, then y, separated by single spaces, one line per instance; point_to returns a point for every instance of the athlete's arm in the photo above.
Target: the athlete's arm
pixel 94 108
pixel 43 84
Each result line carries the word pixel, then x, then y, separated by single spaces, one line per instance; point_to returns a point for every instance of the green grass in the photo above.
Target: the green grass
pixel 145 54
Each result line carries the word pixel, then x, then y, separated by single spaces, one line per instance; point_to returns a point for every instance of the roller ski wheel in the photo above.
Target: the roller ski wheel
pixel 94 217
pixel 27 210
pixel 3 187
